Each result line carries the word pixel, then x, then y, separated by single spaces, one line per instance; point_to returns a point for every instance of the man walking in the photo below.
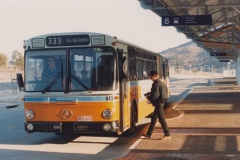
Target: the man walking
pixel 158 97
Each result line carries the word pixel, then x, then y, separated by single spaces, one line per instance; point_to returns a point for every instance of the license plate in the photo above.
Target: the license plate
pixel 84 118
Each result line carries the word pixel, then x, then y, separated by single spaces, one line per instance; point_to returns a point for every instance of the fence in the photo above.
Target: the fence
pixel 187 73
pixel 8 80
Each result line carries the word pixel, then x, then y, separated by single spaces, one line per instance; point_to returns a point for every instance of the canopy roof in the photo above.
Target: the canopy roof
pixel 223 36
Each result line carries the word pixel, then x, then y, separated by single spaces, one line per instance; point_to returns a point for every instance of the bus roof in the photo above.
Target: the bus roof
pixel 28 41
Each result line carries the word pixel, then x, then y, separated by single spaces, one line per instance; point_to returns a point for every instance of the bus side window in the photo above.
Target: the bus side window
pixel 132 63
pixel 139 69
pixel 132 72
pixel 145 72
pixel 164 70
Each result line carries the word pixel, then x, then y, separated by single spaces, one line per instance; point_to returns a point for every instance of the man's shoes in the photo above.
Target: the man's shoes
pixel 166 138
pixel 146 136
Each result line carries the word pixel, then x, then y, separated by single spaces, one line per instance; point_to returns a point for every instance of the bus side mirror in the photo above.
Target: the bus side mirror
pixel 20 81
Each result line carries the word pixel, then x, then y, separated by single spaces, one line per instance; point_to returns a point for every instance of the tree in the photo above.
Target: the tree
pixel 17 60
pixel 3 60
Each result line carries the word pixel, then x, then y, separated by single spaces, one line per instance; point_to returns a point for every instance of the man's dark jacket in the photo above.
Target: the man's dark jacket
pixel 158 93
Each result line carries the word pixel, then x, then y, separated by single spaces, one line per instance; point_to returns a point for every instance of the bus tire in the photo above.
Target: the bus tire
pixel 133 121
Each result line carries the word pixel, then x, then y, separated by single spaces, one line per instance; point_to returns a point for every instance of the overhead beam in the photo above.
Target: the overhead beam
pixel 219 45
pixel 215 38
pixel 204 31
pixel 219 29
pixel 196 6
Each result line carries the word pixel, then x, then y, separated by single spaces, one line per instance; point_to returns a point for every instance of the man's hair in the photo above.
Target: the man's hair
pixel 152 73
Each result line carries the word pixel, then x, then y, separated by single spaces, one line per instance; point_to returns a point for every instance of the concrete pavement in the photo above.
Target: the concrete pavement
pixel 204 126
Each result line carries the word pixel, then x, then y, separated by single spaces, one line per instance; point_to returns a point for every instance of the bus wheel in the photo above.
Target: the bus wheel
pixel 133 122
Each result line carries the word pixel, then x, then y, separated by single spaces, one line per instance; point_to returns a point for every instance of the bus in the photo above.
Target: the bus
pixel 97 86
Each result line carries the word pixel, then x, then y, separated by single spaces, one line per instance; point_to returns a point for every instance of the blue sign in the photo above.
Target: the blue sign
pixel 186 20
pixel 224 60
pixel 218 54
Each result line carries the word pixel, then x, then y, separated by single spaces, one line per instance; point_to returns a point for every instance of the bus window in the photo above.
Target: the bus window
pixel 167 68
pixel 104 72
pixel 139 69
pixel 92 69
pixel 154 66
pixel 34 69
pixel 145 71
pixel 132 63
pixel 139 57
pixel 150 66
pixel 46 70
pixel 81 63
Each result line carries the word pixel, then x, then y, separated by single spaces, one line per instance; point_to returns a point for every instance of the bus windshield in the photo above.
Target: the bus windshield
pixel 82 69
pixel 92 69
pixel 45 70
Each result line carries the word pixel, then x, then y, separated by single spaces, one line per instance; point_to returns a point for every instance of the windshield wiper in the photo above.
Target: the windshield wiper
pixel 79 82
pixel 52 82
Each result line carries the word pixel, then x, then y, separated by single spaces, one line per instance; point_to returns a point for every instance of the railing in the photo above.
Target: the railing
pixel 8 80
pixel 193 73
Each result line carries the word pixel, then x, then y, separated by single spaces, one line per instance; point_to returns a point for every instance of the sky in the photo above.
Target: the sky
pixel 125 19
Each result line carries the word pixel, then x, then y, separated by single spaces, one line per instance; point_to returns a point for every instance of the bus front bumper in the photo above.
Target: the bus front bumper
pixel 72 127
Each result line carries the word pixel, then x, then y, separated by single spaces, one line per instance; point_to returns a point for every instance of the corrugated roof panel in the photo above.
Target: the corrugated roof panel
pixel 224 32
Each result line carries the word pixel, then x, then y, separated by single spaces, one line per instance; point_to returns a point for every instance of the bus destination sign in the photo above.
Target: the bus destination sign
pixel 186 20
pixel 68 40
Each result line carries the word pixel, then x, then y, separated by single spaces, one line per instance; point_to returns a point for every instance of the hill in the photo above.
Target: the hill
pixel 190 55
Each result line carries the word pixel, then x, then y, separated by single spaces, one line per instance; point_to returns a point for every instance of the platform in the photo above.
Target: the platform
pixel 204 126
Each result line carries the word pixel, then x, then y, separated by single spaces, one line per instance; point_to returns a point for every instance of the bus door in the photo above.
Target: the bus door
pixel 123 90
pixel 125 95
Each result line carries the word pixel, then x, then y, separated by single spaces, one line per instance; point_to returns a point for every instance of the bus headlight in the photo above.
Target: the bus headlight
pixel 107 114
pixel 106 127
pixel 30 127
pixel 29 114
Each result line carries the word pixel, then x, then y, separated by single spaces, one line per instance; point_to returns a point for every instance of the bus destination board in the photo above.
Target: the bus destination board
pixel 68 40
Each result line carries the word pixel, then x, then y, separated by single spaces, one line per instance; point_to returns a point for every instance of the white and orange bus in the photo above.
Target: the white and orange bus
pixel 98 86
